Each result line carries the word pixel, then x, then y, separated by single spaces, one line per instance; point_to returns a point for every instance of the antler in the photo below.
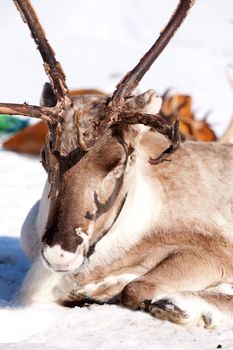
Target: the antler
pixel 132 79
pixel 52 115
pixel 114 113
pixel 52 68
pixel 170 131
pixel 27 110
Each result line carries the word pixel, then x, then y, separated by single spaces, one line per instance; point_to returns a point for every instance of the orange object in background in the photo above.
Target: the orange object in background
pixel 29 140
pixel 180 106
pixel 86 92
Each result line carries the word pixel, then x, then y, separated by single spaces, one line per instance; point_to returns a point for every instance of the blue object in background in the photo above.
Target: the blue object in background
pixel 10 124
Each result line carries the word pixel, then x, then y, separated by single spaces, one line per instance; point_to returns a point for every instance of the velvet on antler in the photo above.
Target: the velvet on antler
pixel 56 153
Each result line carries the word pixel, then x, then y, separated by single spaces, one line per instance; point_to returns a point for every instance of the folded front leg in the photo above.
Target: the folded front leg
pixel 208 309
pixel 105 290
pixel 185 270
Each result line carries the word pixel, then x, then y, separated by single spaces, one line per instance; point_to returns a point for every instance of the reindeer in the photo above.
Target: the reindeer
pixel 127 215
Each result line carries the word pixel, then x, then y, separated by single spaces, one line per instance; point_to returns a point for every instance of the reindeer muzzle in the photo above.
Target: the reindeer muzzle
pixel 60 258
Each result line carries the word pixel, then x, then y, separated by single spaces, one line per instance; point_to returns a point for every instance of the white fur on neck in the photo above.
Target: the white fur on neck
pixel 139 213
pixel 34 225
pixel 42 216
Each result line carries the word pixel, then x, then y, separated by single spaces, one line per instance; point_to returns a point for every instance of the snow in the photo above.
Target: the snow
pixel 97 42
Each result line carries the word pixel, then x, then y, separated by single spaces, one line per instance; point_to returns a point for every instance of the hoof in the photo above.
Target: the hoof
pixel 144 305
pixel 207 321
pixel 165 309
pixel 74 300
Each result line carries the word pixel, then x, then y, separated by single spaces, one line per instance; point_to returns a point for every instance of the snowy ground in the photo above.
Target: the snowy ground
pixel 97 42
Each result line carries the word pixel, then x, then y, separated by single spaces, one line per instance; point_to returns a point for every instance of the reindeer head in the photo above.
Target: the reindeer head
pixel 89 147
pixel 92 191
pixel 88 191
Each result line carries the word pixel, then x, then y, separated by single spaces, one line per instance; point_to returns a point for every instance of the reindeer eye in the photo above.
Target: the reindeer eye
pixel 89 216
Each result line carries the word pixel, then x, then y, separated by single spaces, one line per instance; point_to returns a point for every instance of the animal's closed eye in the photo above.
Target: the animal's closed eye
pixel 89 216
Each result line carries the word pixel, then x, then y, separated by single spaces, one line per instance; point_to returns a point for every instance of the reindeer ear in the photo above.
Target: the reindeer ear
pixel 48 98
pixel 114 168
pixel 118 150
pixel 148 102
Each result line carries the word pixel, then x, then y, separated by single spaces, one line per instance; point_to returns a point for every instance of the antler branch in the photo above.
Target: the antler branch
pixel 52 68
pixel 54 116
pixel 131 79
pixel 170 131
pixel 126 86
pixel 114 112
pixel 27 110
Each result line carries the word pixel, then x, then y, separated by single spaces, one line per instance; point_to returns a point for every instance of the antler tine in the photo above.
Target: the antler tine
pixel 43 113
pixel 170 131
pixel 131 79
pixel 52 67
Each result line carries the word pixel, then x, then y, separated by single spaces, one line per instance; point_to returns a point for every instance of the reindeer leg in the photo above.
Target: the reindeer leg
pixel 104 291
pixel 206 309
pixel 187 270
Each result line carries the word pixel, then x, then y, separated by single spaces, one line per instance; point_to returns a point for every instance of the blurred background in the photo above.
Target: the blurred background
pixel 97 42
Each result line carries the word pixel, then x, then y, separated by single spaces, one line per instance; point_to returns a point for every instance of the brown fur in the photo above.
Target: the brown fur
pixel 188 250
pixel 184 243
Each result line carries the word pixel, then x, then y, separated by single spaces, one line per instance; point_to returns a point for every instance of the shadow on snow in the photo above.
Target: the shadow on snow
pixel 13 267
